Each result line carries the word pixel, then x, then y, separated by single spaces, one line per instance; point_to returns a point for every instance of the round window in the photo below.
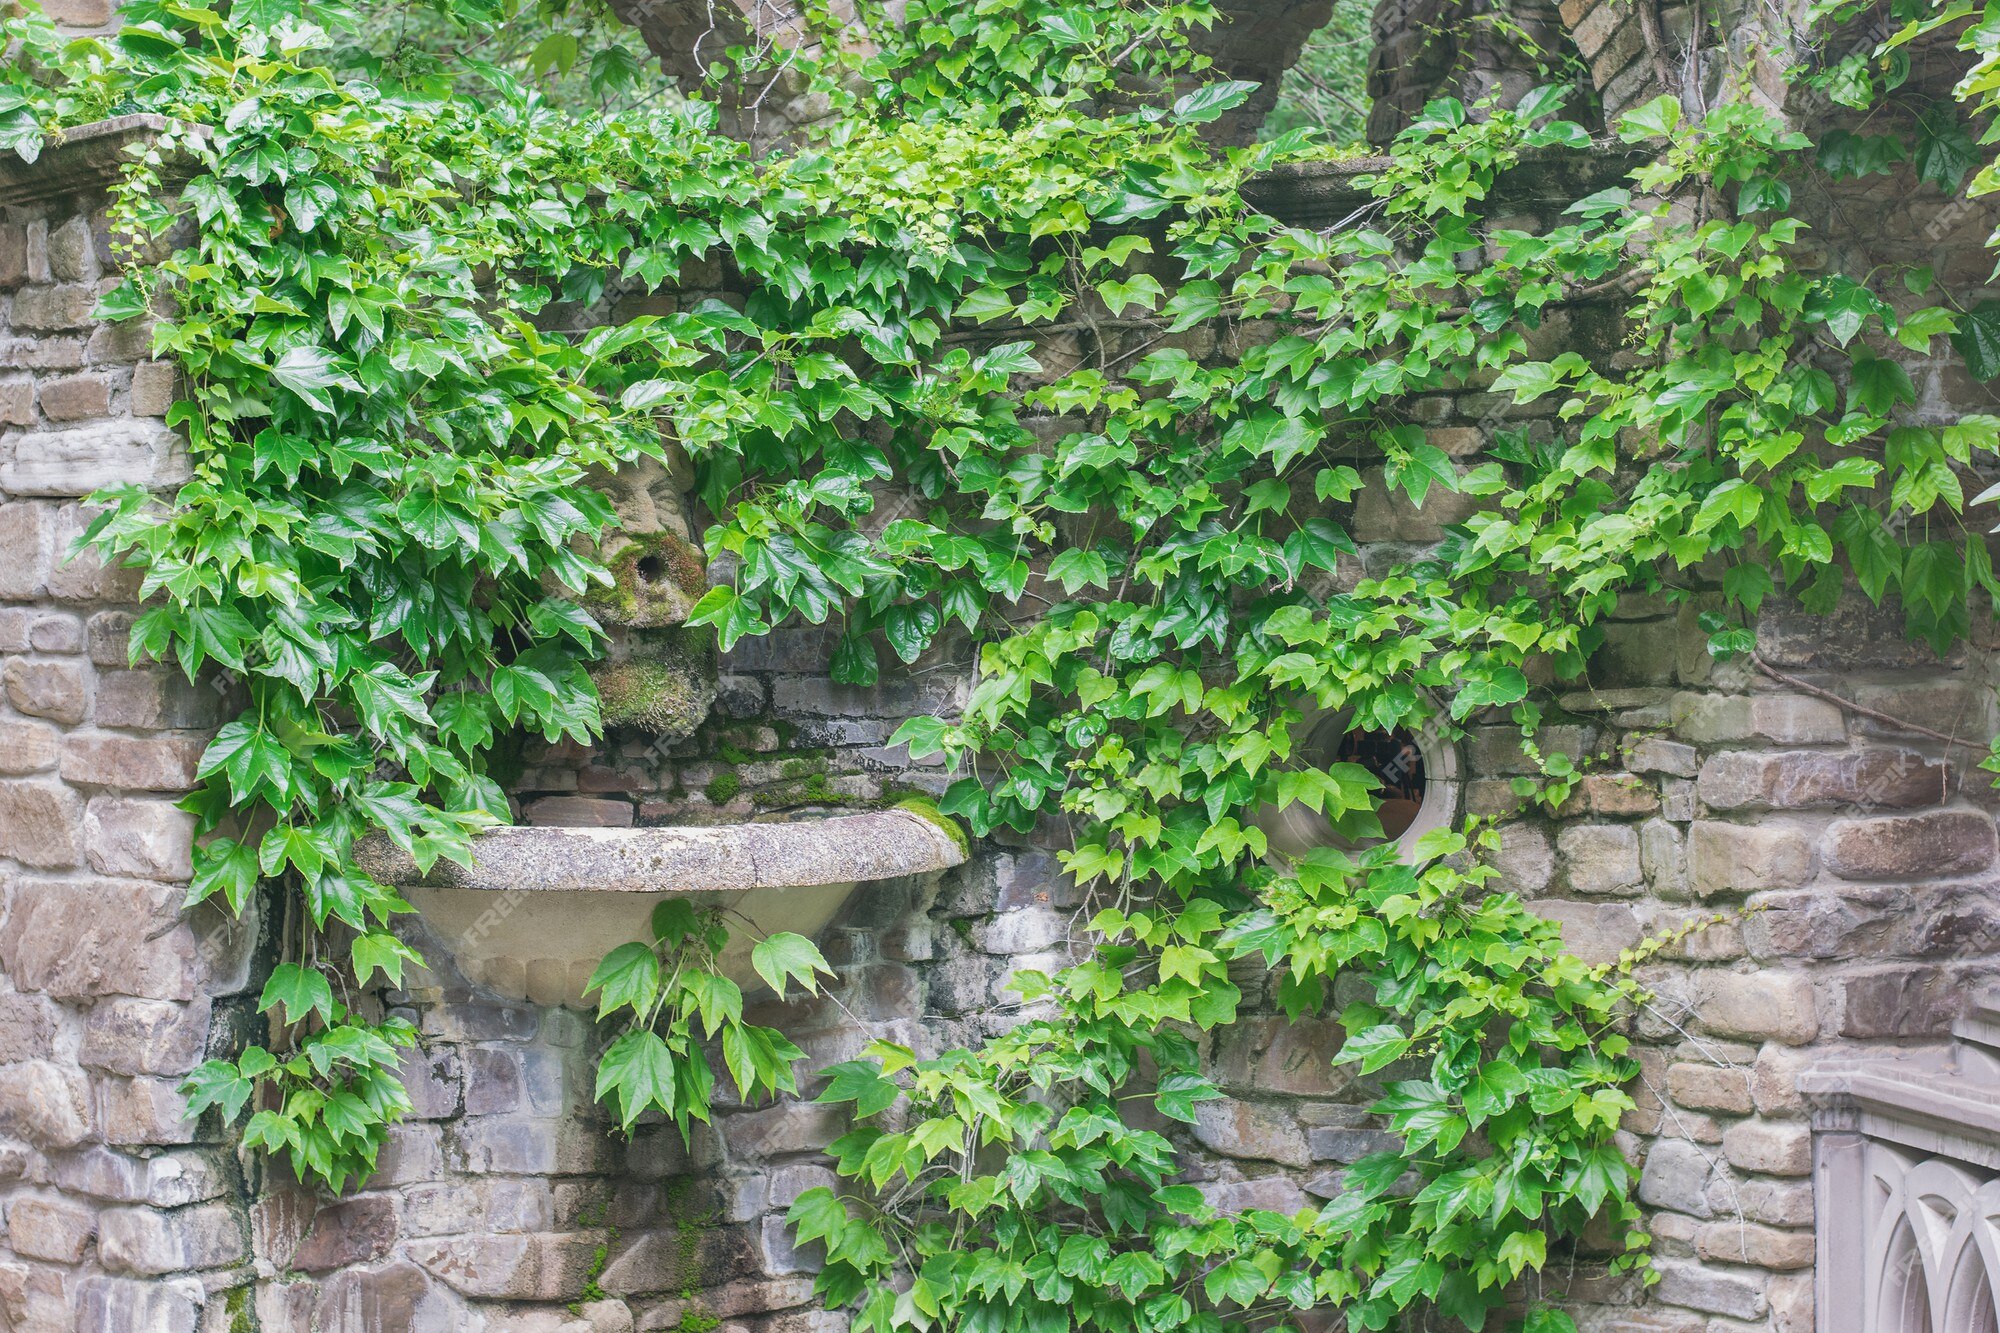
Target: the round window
pixel 1419 788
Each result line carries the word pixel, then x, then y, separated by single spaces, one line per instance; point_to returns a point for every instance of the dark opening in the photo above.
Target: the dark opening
pixel 651 568
pixel 1395 758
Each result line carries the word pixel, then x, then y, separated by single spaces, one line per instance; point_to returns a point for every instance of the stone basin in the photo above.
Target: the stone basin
pixel 540 907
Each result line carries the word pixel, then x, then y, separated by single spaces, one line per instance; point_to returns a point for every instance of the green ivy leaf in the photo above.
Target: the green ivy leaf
pixel 786 956
pixel 636 1072
pixel 297 993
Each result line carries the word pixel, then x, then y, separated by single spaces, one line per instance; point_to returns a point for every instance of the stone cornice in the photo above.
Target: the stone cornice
pixel 1940 1101
pixel 86 160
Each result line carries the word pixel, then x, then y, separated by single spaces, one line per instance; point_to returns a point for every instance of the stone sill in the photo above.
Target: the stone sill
pixel 539 907
pixel 86 160
pixel 723 858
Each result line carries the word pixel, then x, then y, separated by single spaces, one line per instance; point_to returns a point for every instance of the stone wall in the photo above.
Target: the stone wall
pixel 118 1214
pixel 1849 855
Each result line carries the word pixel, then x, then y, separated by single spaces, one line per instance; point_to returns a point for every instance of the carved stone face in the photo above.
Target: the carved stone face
pixel 656 677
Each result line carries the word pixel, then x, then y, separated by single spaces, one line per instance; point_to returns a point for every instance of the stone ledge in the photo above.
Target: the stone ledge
pixel 86 159
pixel 1319 194
pixel 844 849
pixel 1942 1100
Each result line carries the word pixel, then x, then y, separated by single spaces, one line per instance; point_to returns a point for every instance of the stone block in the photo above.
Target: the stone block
pixel 1956 708
pixel 80 939
pixel 57 632
pixel 128 1036
pixel 72 252
pixel 434 1082
pixel 80 397
pixel 1272 1055
pixel 492 1080
pixel 545 1267
pixel 80 459
pixel 493 1206
pixel 1618 795
pixel 45 1103
pixel 1775 1202
pixel 41 824
pixel 133 763
pixel 109 636
pixel 506 1145
pixel 55 308
pixel 1743 858
pixel 136 1112
pixel 1525 860
pixel 1787 719
pixel 352 1231
pixel 675 1260
pixel 125 1305
pixel 154 388
pixel 1934 845
pixel 17 400
pixel 1757 1006
pixel 1706 1087
pixel 1770 1147
pixel 160 699
pixel 50 1227
pixel 24 550
pixel 1254 1131
pixel 1812 779
pixel 1676 1177
pixel 28 1026
pixel 1595 932
pixel 1026 931
pixel 140 838
pixel 1640 652
pixel 1900 1001
pixel 579 812
pixel 50 688
pixel 1600 858
pixel 787 1127
pixel 397 1295
pixel 13 255
pixel 1745 1241
pixel 81 576
pixel 151 1243
pixel 1737 1294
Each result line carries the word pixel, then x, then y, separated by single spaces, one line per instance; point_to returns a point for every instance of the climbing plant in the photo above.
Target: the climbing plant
pixel 383 290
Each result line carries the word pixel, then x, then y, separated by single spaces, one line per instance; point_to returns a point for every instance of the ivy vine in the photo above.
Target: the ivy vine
pixel 390 525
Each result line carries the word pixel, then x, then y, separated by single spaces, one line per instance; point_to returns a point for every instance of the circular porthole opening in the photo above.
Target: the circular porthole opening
pixel 1419 788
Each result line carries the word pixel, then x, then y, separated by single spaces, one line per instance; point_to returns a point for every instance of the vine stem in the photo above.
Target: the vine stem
pixel 1902 724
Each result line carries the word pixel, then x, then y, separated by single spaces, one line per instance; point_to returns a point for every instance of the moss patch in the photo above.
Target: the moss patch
pixel 925 808
pixel 655 578
pixel 722 788
pixel 663 698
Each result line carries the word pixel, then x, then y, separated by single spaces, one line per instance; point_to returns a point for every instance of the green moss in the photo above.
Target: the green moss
pixel 812 789
pixel 925 808
pixel 690 1222
pixel 722 788
pixel 732 754
pixel 800 766
pixel 664 686
pixel 654 577
pixel 237 1306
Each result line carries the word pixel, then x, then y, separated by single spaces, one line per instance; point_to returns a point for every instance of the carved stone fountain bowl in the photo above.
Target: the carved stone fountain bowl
pixel 540 907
